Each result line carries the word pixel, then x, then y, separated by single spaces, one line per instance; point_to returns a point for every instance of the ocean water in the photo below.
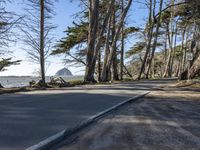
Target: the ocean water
pixel 19 81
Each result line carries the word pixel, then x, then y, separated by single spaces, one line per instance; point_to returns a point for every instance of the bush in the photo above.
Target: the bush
pixel 77 82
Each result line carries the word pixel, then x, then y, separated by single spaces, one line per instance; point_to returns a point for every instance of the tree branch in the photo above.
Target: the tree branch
pixel 182 3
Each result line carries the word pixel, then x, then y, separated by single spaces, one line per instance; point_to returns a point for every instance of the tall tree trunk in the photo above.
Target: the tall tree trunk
pixel 172 37
pixel 195 48
pixel 93 27
pixel 150 27
pixel 121 22
pixel 165 51
pixel 183 55
pixel 174 49
pixel 106 54
pixel 168 71
pixel 99 66
pixel 98 40
pixel 42 62
pixel 178 68
pixel 195 68
pixel 122 47
pixel 155 40
pixel 115 76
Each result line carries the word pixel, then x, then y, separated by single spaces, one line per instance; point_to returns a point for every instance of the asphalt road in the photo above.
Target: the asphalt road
pixel 30 117
pixel 167 119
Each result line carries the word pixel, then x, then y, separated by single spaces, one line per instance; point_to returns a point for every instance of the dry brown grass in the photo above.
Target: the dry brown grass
pixel 185 83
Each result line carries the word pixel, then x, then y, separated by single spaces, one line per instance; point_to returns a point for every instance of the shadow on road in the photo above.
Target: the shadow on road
pixel 161 120
pixel 26 120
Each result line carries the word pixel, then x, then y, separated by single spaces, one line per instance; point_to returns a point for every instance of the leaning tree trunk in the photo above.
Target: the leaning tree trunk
pixel 195 68
pixel 115 76
pixel 93 27
pixel 167 67
pixel 150 27
pixel 155 40
pixel 110 57
pixel 195 63
pixel 98 41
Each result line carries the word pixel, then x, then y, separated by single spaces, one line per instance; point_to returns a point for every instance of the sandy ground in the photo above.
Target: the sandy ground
pixel 163 120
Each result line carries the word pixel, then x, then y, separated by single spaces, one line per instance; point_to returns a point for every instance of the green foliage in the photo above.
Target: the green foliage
pixel 76 82
pixel 3 24
pixel 7 63
pixel 165 16
pixel 75 35
pixel 130 30
pixel 137 48
pixel 178 51
pixel 182 10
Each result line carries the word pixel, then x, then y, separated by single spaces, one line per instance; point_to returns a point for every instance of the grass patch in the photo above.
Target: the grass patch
pixel 77 82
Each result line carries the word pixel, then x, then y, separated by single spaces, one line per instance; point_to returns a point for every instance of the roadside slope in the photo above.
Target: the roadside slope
pixel 162 120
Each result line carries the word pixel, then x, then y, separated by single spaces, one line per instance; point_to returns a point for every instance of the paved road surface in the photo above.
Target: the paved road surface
pixel 167 119
pixel 28 118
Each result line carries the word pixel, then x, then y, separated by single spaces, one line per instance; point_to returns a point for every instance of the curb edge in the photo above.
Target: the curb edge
pixel 55 139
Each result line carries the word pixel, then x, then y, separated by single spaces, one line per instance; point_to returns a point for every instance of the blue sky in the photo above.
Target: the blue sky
pixel 65 10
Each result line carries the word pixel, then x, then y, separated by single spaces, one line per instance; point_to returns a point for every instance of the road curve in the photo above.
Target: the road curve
pixel 27 118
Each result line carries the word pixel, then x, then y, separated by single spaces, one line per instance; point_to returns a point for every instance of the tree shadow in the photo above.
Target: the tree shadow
pixel 153 122
pixel 26 120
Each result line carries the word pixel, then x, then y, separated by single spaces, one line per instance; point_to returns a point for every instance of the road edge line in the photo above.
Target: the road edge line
pixel 55 139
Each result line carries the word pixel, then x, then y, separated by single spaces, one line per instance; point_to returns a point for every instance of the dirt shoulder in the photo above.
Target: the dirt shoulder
pixel 195 84
pixel 20 89
pixel 168 119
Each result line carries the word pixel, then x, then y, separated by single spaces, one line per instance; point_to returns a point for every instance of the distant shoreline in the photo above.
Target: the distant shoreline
pixel 39 77
pixel 21 81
